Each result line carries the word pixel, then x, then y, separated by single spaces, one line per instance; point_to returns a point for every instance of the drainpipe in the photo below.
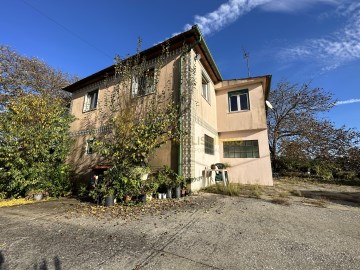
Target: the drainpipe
pixel 181 58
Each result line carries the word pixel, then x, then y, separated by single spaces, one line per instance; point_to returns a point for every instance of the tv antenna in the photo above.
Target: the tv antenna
pixel 246 57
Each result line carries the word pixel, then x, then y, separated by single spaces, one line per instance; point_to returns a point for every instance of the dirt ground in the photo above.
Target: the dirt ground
pixel 292 225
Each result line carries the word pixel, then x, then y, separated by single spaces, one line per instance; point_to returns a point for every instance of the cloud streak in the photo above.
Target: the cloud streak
pixel 232 10
pixel 349 101
pixel 335 49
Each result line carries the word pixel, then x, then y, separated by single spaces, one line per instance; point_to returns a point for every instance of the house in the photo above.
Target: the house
pixel 226 120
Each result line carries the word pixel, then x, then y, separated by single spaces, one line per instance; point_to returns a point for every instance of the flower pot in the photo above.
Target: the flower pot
pixel 144 176
pixel 177 192
pixel 168 193
pixel 142 198
pixel 38 197
pixel 109 201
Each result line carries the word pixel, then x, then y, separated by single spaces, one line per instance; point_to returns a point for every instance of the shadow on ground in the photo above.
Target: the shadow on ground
pixel 344 198
pixel 43 265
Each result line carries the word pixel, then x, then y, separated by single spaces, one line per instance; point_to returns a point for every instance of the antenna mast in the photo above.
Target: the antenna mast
pixel 246 57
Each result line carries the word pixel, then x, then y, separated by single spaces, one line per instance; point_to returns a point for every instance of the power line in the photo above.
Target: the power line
pixel 68 30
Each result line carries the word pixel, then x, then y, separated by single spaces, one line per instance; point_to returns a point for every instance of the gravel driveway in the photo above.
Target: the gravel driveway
pixel 214 232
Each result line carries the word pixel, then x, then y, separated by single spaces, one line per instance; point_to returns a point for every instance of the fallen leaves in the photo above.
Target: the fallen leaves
pixel 130 211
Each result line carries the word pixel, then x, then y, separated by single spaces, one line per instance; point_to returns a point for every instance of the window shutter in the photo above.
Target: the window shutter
pixel 86 103
pixel 135 86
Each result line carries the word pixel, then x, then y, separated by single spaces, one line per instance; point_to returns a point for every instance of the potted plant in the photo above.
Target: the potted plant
pixel 141 172
pixel 109 197
pixel 179 183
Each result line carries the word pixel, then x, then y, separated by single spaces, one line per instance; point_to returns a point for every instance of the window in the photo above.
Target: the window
pixel 239 101
pixel 205 88
pixel 90 101
pixel 145 84
pixel 241 149
pixel 209 145
pixel 90 146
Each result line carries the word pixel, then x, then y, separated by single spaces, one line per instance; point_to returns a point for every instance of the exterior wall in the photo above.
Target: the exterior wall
pixel 244 125
pixel 83 163
pixel 255 118
pixel 205 122
pixel 248 170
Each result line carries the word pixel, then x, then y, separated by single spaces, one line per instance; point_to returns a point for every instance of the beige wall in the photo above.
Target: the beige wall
pixel 255 118
pixel 207 117
pixel 249 170
pixel 83 163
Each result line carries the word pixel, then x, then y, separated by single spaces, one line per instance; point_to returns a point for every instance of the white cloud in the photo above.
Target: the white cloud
pixel 349 101
pixel 230 11
pixel 335 49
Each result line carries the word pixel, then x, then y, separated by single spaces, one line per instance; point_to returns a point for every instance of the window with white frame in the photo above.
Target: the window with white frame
pixel 205 88
pixel 90 146
pixel 145 84
pixel 209 145
pixel 90 101
pixel 239 100
pixel 241 149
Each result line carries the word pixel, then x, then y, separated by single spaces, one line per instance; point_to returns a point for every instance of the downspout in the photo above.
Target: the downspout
pixel 181 58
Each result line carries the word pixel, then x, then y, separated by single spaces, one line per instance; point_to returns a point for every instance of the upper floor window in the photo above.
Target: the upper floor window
pixel 145 84
pixel 239 100
pixel 209 145
pixel 205 88
pixel 241 149
pixel 90 102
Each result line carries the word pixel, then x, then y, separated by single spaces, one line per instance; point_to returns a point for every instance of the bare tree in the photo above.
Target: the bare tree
pixel 295 106
pixel 20 74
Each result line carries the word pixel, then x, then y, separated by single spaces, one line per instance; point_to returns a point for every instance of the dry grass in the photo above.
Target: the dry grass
pixel 250 191
pixel 281 201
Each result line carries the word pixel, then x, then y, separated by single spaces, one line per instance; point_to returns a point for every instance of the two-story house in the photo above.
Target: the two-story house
pixel 226 120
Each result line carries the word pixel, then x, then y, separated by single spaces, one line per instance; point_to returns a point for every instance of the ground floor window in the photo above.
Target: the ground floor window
pixel 209 145
pixel 90 146
pixel 241 149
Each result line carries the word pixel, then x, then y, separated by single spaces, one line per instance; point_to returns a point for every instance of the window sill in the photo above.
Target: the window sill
pixel 144 95
pixel 91 110
pixel 239 111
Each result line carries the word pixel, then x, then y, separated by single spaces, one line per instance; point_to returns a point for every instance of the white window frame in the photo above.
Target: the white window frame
pixel 238 94
pixel 205 89
pixel 89 103
pixel 137 80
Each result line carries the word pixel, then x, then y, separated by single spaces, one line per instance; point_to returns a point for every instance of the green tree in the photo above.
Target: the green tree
pixel 34 122
pixel 34 143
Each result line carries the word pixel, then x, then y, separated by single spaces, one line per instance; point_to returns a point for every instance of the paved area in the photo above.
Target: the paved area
pixel 216 232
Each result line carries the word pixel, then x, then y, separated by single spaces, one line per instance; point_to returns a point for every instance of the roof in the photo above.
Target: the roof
pixel 265 80
pixel 193 36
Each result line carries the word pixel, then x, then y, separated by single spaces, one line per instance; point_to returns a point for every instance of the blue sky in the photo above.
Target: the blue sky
pixel 296 40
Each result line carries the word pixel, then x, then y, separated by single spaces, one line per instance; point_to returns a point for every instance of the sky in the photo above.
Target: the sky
pixel 301 41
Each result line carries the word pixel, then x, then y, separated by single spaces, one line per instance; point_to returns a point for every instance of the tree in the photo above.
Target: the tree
pixel 34 144
pixel 140 116
pixel 293 106
pixel 20 74
pixel 34 122
pixel 298 134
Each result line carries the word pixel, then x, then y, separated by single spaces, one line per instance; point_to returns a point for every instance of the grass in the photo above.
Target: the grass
pixel 250 191
pixel 293 189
